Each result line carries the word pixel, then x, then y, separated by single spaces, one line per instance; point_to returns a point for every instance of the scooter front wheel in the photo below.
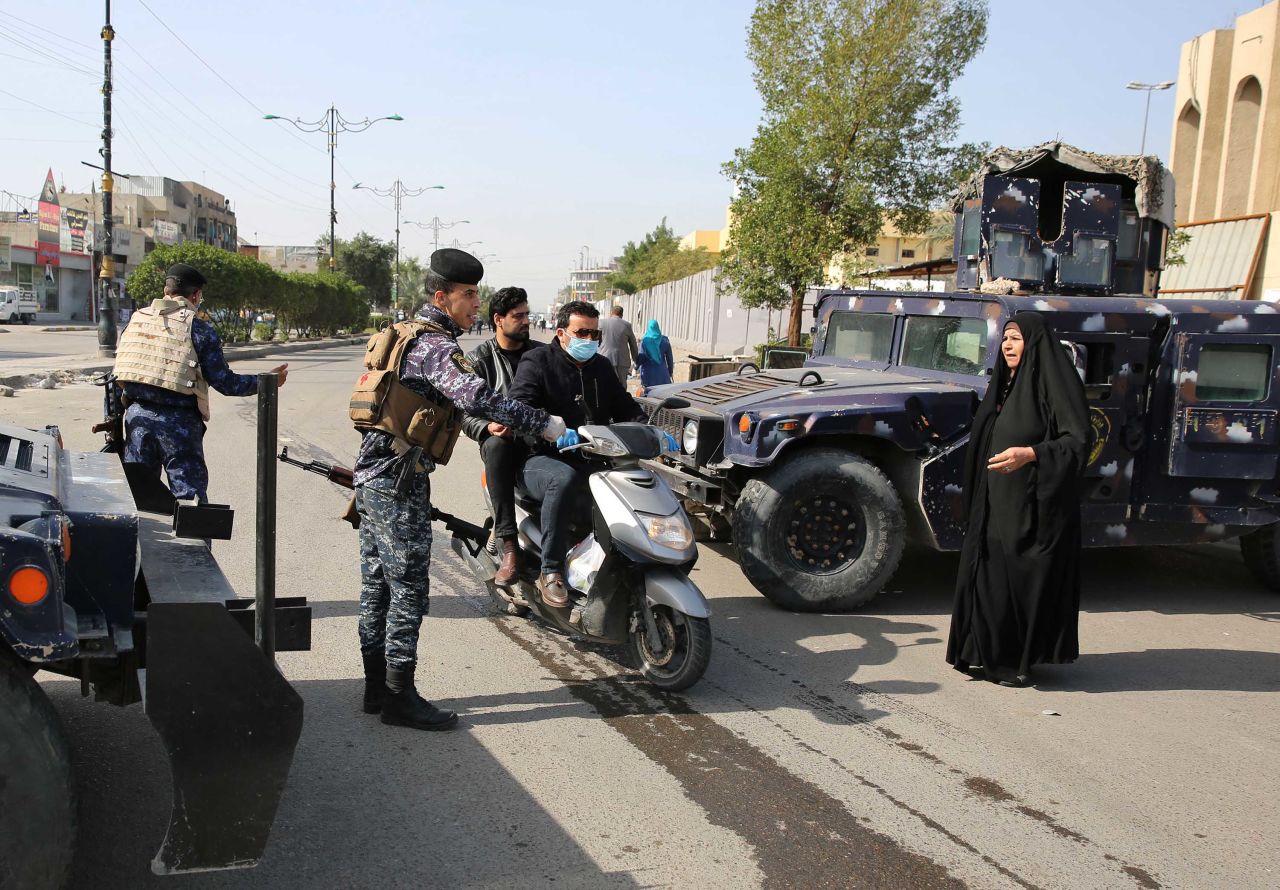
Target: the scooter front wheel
pixel 680 656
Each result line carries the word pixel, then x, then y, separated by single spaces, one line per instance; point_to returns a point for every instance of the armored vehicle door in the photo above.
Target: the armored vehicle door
pixel 1114 366
pixel 1225 407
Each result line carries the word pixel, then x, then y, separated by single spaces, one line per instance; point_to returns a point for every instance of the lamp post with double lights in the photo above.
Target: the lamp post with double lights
pixel 435 224
pixel 332 124
pixel 397 192
pixel 1148 88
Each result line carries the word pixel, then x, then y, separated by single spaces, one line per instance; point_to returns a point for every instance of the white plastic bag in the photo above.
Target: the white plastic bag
pixel 585 559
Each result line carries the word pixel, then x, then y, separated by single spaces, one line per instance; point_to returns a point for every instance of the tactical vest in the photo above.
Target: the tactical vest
pixel 381 402
pixel 156 349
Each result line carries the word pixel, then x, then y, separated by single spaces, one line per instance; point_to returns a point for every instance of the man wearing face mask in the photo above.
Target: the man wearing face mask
pixel 168 357
pixel 571 380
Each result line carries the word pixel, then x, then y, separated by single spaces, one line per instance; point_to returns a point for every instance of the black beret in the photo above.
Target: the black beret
pixel 457 266
pixel 185 275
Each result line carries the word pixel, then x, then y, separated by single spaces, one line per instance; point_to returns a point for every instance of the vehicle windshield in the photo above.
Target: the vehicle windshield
pixel 861 336
pixel 945 343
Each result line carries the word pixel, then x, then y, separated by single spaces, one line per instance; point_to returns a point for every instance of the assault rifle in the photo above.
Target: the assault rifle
pixel 474 536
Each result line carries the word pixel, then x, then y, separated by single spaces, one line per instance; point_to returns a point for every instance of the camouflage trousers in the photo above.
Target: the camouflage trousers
pixel 395 556
pixel 171 437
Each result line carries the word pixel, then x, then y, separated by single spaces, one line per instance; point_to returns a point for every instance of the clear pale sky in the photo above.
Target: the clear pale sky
pixel 553 126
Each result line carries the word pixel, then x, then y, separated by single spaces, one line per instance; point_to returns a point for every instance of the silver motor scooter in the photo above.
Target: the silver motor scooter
pixel 641 594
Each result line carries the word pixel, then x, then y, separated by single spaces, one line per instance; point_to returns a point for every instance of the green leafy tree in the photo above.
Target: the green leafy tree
pixel 412 275
pixel 368 262
pixel 858 129
pixel 238 289
pixel 655 259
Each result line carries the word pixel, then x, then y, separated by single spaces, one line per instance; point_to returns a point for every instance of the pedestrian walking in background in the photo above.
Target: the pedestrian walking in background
pixel 1017 596
pixel 654 360
pixel 618 343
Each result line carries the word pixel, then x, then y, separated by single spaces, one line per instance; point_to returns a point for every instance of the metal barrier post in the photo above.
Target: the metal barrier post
pixel 264 629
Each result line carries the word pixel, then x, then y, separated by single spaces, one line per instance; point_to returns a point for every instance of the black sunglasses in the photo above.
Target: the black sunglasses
pixel 586 334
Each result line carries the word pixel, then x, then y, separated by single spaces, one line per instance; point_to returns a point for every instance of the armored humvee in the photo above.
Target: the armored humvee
pixel 822 473
pixel 96 585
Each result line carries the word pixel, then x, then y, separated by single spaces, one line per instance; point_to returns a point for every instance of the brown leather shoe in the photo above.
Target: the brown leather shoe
pixel 553 590
pixel 509 570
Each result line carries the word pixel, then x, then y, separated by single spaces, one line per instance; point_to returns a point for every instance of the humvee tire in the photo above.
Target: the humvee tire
pixel 37 795
pixel 821 533
pixel 1261 551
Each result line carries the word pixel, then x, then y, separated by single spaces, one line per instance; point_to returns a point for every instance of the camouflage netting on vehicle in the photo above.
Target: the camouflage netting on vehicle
pixel 1154 194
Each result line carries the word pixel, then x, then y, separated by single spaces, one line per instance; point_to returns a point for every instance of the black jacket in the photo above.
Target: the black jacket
pixel 493 367
pixel 582 394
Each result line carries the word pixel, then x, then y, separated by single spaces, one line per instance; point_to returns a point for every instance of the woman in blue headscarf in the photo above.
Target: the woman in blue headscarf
pixel 654 360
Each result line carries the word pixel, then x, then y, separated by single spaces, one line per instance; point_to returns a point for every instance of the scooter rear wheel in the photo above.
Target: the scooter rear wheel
pixel 683 653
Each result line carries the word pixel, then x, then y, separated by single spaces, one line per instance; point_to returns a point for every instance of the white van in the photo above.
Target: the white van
pixel 14 307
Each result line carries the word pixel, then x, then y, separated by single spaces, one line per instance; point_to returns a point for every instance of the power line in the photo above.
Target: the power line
pixel 44 108
pixel 231 86
pixel 45 54
pixel 54 34
pixel 196 106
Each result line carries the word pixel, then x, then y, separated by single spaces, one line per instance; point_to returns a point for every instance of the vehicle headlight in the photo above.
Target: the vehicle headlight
pixel 689 440
pixel 670 531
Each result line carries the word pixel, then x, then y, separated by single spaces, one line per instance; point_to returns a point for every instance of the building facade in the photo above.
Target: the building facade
pixel 1225 151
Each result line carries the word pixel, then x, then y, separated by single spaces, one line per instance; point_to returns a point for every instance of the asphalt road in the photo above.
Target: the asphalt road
pixel 819 751
pixel 27 341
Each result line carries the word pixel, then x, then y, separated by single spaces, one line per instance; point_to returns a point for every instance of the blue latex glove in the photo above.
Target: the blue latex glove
pixel 568 438
pixel 669 442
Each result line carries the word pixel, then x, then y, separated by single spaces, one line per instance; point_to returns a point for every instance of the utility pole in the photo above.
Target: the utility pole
pixel 398 192
pixel 1147 88
pixel 107 313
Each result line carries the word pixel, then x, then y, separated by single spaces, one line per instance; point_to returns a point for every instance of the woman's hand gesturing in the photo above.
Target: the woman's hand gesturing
pixel 1011 459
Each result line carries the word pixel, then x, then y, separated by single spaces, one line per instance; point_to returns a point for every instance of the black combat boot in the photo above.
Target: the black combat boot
pixel 375 680
pixel 402 706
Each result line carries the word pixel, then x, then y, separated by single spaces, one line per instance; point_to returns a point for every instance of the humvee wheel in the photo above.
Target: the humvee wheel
pixel 823 532
pixel 37 796
pixel 1261 552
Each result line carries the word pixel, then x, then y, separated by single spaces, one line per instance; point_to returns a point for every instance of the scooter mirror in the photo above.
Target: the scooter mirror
pixel 673 402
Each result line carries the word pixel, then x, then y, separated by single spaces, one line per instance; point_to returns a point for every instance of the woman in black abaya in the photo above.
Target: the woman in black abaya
pixel 1018 590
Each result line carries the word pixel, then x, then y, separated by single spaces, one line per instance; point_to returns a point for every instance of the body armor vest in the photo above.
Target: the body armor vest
pixel 156 349
pixel 381 402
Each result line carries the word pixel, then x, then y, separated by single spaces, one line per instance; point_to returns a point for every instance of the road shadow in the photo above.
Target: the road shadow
pixel 367 805
pixel 1165 670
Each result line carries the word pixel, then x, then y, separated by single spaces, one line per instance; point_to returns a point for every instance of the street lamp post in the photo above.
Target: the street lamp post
pixel 1148 88
pixel 332 124
pixel 435 224
pixel 398 192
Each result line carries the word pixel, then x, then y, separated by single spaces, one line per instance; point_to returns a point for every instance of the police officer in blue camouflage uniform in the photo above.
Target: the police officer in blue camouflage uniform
pixel 409 406
pixel 166 360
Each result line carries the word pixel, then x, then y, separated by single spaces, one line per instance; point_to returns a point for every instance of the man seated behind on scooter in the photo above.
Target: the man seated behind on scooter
pixel 502 449
pixel 568 379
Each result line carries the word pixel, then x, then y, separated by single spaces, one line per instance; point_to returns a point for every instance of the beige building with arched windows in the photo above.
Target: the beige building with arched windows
pixel 1225 155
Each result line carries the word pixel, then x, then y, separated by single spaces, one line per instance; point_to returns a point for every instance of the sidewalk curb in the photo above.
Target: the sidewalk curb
pixel 233 353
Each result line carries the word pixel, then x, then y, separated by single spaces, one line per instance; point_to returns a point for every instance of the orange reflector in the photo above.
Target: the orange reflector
pixel 788 425
pixel 28 585
pixel 484 479
pixel 744 424
pixel 66 541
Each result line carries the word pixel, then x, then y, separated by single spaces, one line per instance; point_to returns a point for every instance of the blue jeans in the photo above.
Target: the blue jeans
pixel 558 485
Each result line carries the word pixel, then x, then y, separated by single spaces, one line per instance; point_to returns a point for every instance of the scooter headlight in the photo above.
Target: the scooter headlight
pixel 671 531
pixel 689 439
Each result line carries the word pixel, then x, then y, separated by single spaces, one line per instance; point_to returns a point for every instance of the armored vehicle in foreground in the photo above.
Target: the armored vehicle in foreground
pixel 823 473
pixel 97 589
